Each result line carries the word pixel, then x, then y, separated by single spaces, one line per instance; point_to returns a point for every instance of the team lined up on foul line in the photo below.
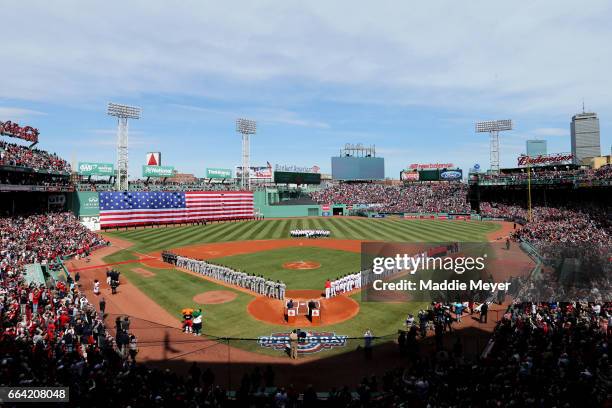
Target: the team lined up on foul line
pixel 254 283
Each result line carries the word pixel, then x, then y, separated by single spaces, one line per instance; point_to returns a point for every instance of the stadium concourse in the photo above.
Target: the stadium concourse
pixel 54 333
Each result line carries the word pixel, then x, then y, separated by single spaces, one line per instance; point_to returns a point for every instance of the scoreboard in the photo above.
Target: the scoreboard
pixel 358 168
pixel 290 177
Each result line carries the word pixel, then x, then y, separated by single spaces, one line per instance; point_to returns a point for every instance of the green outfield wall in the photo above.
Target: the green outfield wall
pixel 266 205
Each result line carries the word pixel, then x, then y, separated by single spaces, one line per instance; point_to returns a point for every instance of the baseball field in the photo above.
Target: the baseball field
pixel 265 248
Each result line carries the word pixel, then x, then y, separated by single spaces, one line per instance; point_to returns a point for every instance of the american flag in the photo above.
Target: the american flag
pixel 130 208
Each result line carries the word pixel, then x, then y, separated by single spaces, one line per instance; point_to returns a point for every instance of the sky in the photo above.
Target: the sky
pixel 410 78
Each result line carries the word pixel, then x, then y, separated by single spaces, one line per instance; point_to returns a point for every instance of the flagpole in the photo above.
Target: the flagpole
pixel 529 188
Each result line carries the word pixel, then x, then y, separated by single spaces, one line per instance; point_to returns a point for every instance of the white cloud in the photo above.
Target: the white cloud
pixel 492 57
pixel 266 115
pixel 13 113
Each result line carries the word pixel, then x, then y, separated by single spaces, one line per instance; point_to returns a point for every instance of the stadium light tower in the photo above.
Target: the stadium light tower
pixel 122 113
pixel 245 127
pixel 493 127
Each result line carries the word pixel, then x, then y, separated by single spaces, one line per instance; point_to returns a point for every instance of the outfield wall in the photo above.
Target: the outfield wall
pixel 266 205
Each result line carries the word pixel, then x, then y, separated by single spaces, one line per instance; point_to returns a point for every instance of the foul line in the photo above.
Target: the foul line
pixel 113 263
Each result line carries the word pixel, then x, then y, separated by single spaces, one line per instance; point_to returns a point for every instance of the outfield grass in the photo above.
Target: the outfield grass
pixel 334 264
pixel 397 230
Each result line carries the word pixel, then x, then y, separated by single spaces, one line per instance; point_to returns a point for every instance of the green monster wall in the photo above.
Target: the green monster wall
pixel 264 198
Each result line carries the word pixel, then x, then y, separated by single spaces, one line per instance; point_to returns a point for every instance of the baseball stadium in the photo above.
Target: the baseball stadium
pixel 148 280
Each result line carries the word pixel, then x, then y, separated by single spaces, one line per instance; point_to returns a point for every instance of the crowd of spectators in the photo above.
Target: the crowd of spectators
pixel 12 154
pixel 572 223
pixel 415 197
pixel 41 239
pixel 35 179
pixel 552 175
pixel 545 354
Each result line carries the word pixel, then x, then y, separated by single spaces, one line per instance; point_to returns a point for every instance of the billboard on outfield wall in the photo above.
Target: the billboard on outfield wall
pixel 157 171
pixel 214 173
pixel 96 169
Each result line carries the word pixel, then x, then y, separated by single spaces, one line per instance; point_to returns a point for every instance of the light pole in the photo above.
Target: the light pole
pixel 122 113
pixel 493 127
pixel 245 127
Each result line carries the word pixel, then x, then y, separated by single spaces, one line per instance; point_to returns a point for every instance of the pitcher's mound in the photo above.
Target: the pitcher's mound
pixel 214 297
pixel 335 310
pixel 299 265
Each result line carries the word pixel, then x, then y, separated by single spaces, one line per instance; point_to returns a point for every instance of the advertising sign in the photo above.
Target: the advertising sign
pixel 545 159
pixel 451 175
pixel 409 176
pixel 86 203
pixel 96 169
pixel 91 222
pixel 153 159
pixel 256 172
pixel 297 169
pixel 157 171
pixel 418 166
pixel 218 173
pixel 11 129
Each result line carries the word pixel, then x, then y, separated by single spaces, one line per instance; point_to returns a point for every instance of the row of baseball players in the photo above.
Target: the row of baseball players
pixel 343 284
pixel 309 233
pixel 353 281
pixel 254 283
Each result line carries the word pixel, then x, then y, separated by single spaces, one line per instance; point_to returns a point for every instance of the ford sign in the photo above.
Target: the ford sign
pixel 451 175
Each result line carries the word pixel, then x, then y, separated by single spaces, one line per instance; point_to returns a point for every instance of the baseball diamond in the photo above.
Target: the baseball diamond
pixel 261 248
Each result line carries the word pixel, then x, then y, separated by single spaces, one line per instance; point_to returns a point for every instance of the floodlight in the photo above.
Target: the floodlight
pixel 246 126
pixel 493 125
pixel 123 111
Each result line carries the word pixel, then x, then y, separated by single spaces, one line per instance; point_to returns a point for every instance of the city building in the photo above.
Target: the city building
pixel 585 136
pixel 536 148
pixel 597 162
